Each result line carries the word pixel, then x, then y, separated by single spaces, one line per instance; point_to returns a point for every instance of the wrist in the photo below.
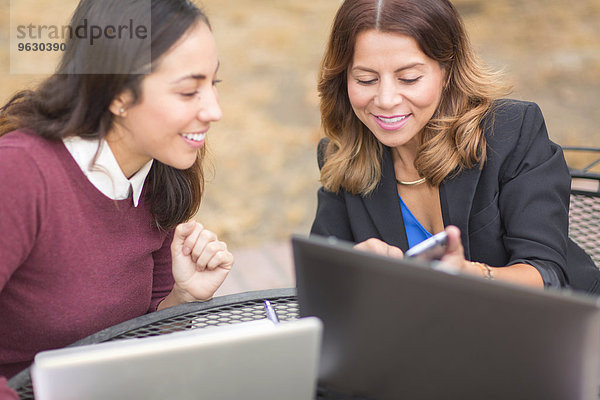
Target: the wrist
pixel 175 297
pixel 183 295
pixel 487 272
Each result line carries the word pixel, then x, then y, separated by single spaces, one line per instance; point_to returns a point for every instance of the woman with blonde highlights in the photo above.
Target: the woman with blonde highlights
pixel 419 140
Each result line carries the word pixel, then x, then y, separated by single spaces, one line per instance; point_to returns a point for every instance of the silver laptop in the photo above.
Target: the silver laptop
pixel 400 329
pixel 248 360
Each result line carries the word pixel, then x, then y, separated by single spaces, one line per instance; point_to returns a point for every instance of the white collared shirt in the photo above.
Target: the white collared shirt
pixel 105 173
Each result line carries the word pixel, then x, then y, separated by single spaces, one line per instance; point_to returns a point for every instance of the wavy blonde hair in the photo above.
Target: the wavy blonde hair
pixel 452 140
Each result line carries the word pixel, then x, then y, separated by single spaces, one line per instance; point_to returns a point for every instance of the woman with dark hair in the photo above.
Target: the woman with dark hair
pixel 100 175
pixel 418 141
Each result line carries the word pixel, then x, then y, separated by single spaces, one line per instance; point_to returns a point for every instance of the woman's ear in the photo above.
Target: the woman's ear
pixel 121 103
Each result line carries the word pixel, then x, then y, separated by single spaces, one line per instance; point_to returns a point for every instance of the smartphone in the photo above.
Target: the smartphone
pixel 432 248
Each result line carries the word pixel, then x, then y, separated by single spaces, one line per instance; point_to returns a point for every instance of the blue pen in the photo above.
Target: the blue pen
pixel 271 314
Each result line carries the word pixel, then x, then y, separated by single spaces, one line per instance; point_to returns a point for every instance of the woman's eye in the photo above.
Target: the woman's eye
pixel 216 82
pixel 189 94
pixel 410 80
pixel 366 82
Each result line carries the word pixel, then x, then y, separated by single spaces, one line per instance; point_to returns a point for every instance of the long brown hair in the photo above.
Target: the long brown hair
pixel 452 140
pixel 75 102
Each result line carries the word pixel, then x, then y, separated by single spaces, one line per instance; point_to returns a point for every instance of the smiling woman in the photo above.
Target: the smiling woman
pixel 419 140
pixel 179 101
pixel 100 173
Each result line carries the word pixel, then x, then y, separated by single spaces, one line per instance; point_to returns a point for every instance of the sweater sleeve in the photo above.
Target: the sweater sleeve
pixel 22 208
pixel 162 283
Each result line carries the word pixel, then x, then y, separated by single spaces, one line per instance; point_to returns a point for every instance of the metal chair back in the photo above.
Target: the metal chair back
pixel 584 213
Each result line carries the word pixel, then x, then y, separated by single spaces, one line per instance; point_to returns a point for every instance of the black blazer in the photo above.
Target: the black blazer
pixel 513 210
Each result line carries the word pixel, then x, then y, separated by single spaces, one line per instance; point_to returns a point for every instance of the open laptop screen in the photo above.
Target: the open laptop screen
pixel 398 329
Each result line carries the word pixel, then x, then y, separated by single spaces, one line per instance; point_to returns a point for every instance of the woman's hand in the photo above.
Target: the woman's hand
pixel 454 259
pixel 201 263
pixel 379 247
pixel 454 256
pixel 523 274
pixel 455 253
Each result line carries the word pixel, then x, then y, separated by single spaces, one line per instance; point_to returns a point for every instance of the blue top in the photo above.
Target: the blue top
pixel 415 233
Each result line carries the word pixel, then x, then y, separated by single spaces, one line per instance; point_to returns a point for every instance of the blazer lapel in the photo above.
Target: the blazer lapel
pixel 383 206
pixel 458 193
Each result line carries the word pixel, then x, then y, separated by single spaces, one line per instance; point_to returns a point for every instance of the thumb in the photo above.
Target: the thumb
pixel 454 242
pixel 182 231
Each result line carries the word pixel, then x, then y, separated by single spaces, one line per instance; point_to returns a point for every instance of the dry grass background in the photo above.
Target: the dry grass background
pixel 263 151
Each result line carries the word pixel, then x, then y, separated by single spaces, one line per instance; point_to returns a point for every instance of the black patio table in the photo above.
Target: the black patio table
pixel 222 310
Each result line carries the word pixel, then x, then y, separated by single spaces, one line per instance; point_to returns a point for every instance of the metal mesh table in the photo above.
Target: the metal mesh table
pixel 218 311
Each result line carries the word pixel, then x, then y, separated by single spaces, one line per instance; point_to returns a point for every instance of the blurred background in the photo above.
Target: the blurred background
pixel 264 178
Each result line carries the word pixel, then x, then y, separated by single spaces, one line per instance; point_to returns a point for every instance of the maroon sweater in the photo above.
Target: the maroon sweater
pixel 72 261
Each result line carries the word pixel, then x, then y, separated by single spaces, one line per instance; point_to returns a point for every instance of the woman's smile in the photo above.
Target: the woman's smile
pixel 391 123
pixel 195 139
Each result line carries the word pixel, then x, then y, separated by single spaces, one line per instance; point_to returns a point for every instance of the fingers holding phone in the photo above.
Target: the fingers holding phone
pixel 444 246
pixel 455 252
pixel 432 248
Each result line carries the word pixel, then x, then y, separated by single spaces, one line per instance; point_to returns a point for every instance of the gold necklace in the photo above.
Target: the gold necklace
pixel 411 183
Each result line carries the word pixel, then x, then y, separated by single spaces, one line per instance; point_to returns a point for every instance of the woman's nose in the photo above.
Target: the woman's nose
pixel 210 110
pixel 388 94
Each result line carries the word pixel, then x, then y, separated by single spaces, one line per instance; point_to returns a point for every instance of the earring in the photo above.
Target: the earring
pixel 121 110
